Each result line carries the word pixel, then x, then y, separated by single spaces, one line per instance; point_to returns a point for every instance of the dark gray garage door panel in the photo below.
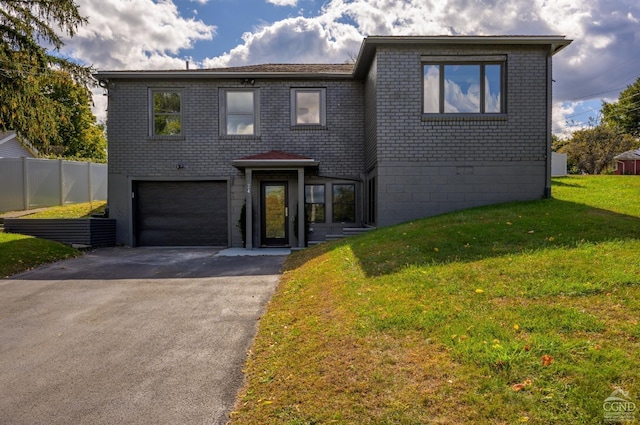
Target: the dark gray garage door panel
pixel 181 213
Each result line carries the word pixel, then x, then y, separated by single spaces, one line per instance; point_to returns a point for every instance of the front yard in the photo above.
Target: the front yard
pixel 523 312
pixel 19 252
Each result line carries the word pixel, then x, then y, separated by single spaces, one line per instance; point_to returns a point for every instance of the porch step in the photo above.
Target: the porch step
pixel 346 232
pixel 352 231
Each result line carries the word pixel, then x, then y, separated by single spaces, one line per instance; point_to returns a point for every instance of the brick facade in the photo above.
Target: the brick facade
pixel 205 154
pixel 427 166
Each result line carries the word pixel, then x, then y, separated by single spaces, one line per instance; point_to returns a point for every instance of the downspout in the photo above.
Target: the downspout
pixel 248 172
pixel 547 188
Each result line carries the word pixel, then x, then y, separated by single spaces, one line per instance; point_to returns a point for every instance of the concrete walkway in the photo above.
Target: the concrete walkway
pixel 256 252
pixel 130 336
pixel 17 214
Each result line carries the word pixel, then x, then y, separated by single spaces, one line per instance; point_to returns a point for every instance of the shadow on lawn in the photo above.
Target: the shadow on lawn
pixel 479 233
pixel 559 182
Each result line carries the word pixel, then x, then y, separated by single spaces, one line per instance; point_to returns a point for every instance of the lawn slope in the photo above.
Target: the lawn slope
pixel 523 312
pixel 19 253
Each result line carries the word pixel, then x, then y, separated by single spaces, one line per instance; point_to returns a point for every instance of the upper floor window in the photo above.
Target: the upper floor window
pixel 464 86
pixel 240 112
pixel 166 112
pixel 308 106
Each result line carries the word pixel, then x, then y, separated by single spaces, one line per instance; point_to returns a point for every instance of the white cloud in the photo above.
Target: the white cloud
pixel 136 34
pixel 145 34
pixel 294 40
pixel 601 58
pixel 291 3
pixel 562 124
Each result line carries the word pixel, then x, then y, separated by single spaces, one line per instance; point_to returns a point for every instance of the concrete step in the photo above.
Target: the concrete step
pixel 346 232
pixel 351 231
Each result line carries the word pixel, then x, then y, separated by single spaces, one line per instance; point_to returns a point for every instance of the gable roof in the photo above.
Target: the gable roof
pixel 11 146
pixel 631 155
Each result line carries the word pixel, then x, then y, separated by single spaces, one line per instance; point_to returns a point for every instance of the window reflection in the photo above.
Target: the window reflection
pixel 463 88
pixel 307 107
pixel 240 102
pixel 492 85
pixel 344 203
pixel 240 109
pixel 314 203
pixel 167 118
pixel 431 89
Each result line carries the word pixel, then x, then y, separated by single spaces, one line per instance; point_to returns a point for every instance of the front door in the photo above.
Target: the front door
pixel 274 214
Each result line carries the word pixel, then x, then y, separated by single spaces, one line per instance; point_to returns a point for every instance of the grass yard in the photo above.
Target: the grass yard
pixel 523 312
pixel 19 253
pixel 82 210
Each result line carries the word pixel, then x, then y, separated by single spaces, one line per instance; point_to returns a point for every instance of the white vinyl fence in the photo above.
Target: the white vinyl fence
pixel 28 183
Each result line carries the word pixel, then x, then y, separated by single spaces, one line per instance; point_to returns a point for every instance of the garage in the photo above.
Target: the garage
pixel 180 213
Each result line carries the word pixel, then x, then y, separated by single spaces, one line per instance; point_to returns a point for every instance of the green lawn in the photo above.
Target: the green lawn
pixel 523 312
pixel 19 253
pixel 81 210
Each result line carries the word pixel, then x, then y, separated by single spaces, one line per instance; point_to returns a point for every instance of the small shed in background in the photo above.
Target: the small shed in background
pixel 558 164
pixel 627 163
pixel 12 147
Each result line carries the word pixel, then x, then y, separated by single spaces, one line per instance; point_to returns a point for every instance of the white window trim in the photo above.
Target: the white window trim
pixel 223 111
pixel 152 129
pixel 323 106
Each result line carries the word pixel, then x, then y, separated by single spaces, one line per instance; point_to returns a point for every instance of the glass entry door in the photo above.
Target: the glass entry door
pixel 274 214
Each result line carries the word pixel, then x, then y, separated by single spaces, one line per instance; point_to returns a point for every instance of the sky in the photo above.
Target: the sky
pixel 603 59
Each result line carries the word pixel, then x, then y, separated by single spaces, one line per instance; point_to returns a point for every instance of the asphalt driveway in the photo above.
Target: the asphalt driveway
pixel 130 336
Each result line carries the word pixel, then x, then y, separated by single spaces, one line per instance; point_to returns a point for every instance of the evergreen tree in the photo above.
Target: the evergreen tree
pixel 36 85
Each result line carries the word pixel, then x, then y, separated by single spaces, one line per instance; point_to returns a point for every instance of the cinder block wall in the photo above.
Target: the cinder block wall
pixel 206 155
pixel 427 167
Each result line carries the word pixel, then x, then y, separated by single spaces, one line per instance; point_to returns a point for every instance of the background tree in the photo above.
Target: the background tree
pixel 624 115
pixel 592 150
pixel 33 79
pixel 78 135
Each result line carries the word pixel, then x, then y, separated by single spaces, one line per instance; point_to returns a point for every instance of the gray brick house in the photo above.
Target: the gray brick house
pixel 418 126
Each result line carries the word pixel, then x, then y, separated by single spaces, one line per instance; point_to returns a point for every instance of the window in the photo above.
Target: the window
pixel 465 87
pixel 344 203
pixel 239 112
pixel 166 113
pixel 314 203
pixel 308 107
pixel 371 201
